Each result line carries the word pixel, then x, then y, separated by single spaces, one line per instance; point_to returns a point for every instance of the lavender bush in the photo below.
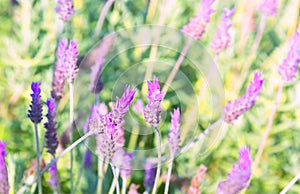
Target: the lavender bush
pixel 149 109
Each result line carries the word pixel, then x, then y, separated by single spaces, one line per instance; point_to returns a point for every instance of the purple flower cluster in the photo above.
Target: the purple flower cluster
pixel 96 84
pixel 239 176
pixel 50 135
pixel 149 175
pixel 174 134
pixel 65 67
pixel 268 7
pixel 122 105
pixel 222 38
pixel 126 166
pixel 87 159
pixel 65 9
pixel 4 186
pixel 197 26
pixel 36 107
pixel 53 180
pixel 236 108
pixel 152 112
pixel 97 119
pixel 289 67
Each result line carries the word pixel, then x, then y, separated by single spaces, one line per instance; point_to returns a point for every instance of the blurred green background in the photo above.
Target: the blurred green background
pixel 28 33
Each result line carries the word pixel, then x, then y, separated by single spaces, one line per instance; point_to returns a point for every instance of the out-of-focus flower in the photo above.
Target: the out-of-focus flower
pixel 65 9
pixel 133 189
pixel 289 67
pixel 149 175
pixel 53 180
pixel 197 26
pixel 122 105
pixel 194 187
pixel 222 37
pixel 4 186
pixel 236 108
pixel 139 106
pixel 36 107
pixel 58 82
pixel 126 167
pixel 50 135
pixel 70 61
pixel 174 134
pixel 268 7
pixel 238 177
pixel 87 159
pixel 152 112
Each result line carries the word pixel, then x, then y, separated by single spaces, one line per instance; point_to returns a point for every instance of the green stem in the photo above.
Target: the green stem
pixel 115 183
pixel 38 157
pixel 159 160
pixel 71 88
pixel 102 16
pixel 169 174
pixel 286 188
pixel 124 182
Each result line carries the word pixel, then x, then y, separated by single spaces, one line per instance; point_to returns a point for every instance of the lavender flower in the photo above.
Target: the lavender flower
pixel 152 112
pixel 126 167
pixel 222 38
pixel 197 26
pixel 236 108
pixel 268 7
pixel 133 189
pixel 53 180
pixel 238 177
pixel 70 61
pixel 50 135
pixel 289 67
pixel 87 159
pixel 36 109
pixel 4 186
pixel 122 105
pixel 97 120
pixel 174 134
pixel 138 106
pixel 65 9
pixel 149 175
pixel 58 82
pixel 107 141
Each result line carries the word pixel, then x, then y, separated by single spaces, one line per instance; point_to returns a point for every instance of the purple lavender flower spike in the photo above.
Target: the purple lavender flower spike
pixel 174 134
pixel 87 159
pixel 152 112
pixel 58 82
pixel 236 108
pixel 150 171
pixel 126 166
pixel 53 180
pixel 70 61
pixel 138 106
pixel 222 37
pixel 268 7
pixel 97 120
pixel 197 26
pixel 65 9
pixel 289 67
pixel 50 135
pixel 122 105
pixel 96 84
pixel 239 176
pixel 4 186
pixel 36 107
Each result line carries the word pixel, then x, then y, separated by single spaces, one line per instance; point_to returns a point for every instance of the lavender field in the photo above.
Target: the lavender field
pixel 148 96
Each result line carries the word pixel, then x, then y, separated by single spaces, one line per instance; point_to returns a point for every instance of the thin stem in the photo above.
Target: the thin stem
pixel 67 150
pixel 201 135
pixel 177 65
pixel 268 128
pixel 288 186
pixel 38 157
pixel 169 174
pixel 253 50
pixel 100 174
pixel 102 16
pixel 116 176
pixel 124 182
pixel 159 160
pixel 71 88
